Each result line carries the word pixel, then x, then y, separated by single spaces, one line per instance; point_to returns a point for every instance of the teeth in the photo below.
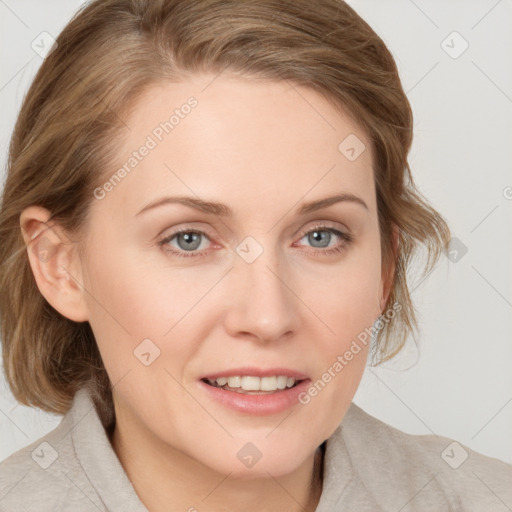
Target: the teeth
pixel 234 382
pixel 250 383
pixel 268 384
pixel 281 381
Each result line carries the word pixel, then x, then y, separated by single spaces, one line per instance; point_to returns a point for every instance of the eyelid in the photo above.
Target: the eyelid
pixel 184 229
pixel 202 232
pixel 342 233
pixel 324 225
pixel 304 231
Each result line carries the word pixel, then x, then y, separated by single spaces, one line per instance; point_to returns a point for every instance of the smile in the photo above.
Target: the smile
pixel 253 384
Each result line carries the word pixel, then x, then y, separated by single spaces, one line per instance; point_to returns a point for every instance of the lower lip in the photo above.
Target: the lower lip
pixel 268 403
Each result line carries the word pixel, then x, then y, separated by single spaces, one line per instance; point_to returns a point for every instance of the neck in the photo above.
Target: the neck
pixel 167 479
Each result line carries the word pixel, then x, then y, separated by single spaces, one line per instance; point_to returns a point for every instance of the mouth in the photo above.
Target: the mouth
pixel 254 385
pixel 255 391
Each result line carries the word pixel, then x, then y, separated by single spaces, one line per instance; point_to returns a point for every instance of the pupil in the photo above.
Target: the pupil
pixel 322 236
pixel 190 239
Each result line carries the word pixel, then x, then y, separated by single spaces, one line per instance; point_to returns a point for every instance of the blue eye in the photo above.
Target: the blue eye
pixel 323 236
pixel 189 241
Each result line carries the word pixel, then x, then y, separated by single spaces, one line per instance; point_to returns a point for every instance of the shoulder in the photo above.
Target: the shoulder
pixel 46 475
pixel 427 469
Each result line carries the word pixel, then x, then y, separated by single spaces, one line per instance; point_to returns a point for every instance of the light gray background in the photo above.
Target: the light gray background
pixel 458 382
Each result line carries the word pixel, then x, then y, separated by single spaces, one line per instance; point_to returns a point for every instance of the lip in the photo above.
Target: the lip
pixel 257 405
pixel 256 372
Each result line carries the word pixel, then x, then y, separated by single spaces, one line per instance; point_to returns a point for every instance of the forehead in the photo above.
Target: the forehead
pixel 217 136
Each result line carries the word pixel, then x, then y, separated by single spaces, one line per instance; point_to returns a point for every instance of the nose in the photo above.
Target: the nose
pixel 264 305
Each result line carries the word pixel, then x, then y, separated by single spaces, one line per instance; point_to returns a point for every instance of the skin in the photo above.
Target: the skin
pixel 263 149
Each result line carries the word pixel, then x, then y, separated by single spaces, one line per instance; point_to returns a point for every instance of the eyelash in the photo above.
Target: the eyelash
pixel 345 237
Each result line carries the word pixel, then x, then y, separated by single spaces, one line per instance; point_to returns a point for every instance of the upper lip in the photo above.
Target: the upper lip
pixel 256 372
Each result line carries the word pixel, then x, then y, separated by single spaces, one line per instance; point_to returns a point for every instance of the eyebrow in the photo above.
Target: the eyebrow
pixel 223 210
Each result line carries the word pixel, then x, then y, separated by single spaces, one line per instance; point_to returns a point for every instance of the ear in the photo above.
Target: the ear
pixel 55 263
pixel 388 269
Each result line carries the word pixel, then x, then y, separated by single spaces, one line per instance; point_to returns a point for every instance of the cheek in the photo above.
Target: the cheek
pixel 349 298
pixel 130 299
pixel 348 306
pixel 349 309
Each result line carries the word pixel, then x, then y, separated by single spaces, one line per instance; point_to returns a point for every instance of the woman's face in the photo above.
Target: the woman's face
pixel 263 286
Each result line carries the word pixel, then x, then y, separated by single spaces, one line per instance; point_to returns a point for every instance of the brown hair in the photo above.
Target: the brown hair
pixel 70 124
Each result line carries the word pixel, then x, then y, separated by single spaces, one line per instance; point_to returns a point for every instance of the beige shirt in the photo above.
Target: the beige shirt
pixel 368 466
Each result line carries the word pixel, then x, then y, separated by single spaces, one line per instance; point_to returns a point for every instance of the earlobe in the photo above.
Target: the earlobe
pixel 54 262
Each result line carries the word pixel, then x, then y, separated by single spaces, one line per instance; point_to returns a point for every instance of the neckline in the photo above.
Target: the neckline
pixel 94 451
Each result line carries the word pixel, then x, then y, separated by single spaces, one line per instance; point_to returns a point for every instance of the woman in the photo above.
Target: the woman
pixel 206 228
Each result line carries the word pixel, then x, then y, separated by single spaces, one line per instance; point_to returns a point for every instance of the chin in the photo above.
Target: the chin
pixel 245 460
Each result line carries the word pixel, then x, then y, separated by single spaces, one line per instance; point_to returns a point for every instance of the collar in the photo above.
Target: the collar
pixel 98 459
pixel 341 485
